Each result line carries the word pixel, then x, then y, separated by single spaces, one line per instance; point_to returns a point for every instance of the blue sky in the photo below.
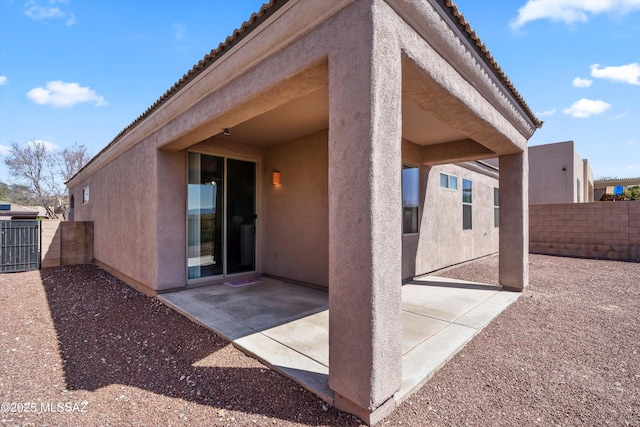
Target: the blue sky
pixel 81 71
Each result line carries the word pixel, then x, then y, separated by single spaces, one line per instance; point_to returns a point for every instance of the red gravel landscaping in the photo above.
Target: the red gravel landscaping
pixel 80 348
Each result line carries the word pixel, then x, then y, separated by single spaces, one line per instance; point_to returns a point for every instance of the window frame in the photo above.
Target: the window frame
pixel 85 195
pixel 468 204
pixel 450 178
pixel 496 207
pixel 415 214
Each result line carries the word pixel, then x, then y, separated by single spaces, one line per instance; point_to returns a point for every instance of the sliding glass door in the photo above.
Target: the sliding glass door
pixel 241 214
pixel 221 216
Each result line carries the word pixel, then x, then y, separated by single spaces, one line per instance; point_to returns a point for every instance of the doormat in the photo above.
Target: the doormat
pixel 244 282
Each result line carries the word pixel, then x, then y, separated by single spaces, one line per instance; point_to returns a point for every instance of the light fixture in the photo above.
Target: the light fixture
pixel 276 178
pixel 225 131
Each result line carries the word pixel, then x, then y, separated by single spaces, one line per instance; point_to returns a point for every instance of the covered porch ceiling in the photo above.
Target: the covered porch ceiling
pixel 276 121
pixel 310 113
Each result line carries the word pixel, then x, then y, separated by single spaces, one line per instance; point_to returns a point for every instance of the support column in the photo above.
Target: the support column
pixel 171 176
pixel 514 221
pixel 365 220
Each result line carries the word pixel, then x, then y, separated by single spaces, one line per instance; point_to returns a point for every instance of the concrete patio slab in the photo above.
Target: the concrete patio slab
pixel 286 326
pixel 310 374
pixel 190 307
pixel 446 300
pixel 417 328
pixel 419 365
pixel 308 335
pixel 484 313
pixel 261 305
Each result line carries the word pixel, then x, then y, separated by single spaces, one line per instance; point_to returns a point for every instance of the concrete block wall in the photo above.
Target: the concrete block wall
pixel 66 242
pixel 609 230
pixel 50 243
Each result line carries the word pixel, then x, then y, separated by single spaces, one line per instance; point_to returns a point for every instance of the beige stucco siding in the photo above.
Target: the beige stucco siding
pixel 557 174
pixel 441 241
pixel 122 205
pixel 296 216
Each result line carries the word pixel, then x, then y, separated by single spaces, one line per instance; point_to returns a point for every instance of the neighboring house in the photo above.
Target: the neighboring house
pixel 612 186
pixel 14 211
pixel 557 174
pixel 290 151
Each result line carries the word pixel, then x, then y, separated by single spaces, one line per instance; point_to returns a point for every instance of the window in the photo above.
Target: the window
pixel 496 207
pixel 448 181
pixel 467 222
pixel 410 198
pixel 85 195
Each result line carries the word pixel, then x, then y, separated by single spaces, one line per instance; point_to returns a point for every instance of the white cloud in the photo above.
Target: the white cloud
pixel 570 11
pixel 586 108
pixel 38 12
pixel 180 32
pixel 62 94
pixel 4 150
pixel 49 146
pixel 34 10
pixel 578 82
pixel 550 112
pixel 3 80
pixel 620 116
pixel 70 20
pixel 624 73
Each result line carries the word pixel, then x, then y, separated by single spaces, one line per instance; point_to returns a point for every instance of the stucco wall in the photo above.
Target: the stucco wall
pixel 578 178
pixel 296 217
pixel 122 205
pixel 608 230
pixel 441 241
pixel 548 182
pixel 587 175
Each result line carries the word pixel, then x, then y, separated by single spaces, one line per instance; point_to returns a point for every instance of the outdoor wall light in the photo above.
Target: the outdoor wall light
pixel 276 178
pixel 225 131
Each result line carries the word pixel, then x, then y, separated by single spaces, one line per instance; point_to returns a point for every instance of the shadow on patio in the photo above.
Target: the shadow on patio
pixel 286 326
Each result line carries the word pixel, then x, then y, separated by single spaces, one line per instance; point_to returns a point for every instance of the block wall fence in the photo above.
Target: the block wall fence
pixel 608 230
pixel 66 242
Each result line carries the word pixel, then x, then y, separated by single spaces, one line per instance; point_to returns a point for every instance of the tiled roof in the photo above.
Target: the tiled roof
pixel 490 60
pixel 267 10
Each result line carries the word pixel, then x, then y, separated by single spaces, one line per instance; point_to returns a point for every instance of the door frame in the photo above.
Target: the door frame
pixel 257 185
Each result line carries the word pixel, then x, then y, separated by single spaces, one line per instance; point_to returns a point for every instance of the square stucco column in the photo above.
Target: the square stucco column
pixel 171 175
pixel 514 221
pixel 365 265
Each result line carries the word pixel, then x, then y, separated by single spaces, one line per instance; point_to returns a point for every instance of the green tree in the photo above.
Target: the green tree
pixel 632 192
pixel 21 194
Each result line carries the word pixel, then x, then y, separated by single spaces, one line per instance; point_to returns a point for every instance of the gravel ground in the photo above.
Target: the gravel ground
pixel 80 348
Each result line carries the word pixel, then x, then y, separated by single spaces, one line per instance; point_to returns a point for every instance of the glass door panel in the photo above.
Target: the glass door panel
pixel 205 216
pixel 241 216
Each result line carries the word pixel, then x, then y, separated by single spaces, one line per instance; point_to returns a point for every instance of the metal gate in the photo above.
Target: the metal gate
pixel 20 245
